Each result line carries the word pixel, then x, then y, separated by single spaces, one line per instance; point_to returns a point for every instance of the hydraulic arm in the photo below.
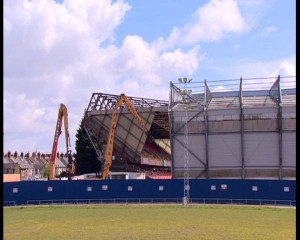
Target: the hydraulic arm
pixel 110 140
pixel 62 115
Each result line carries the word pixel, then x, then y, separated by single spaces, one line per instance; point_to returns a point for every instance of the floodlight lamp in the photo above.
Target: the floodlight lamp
pixel 189 91
pixel 180 80
pixel 184 80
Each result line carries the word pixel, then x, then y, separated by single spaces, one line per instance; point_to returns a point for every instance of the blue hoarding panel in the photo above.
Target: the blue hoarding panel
pixel 25 192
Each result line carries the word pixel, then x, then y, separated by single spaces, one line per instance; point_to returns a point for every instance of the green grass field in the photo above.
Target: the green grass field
pixel 140 222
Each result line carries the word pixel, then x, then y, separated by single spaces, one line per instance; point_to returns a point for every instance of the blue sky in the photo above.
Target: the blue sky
pixel 63 51
pixel 271 37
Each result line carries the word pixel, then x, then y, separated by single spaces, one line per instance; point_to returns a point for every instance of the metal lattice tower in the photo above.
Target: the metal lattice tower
pixel 186 185
pixel 186 161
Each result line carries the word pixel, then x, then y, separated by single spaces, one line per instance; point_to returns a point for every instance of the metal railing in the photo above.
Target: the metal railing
pixel 192 201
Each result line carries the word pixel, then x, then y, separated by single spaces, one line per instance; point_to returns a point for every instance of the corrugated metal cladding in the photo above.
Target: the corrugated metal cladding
pixel 238 133
pixel 129 137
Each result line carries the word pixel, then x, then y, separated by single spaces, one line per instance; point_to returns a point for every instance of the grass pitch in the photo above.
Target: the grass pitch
pixel 141 222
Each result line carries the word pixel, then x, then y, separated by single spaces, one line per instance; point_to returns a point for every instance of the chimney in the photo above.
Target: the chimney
pixel 27 155
pixel 57 154
pixel 16 154
pixel 33 154
pixel 22 155
pixel 39 155
pixel 43 155
pixel 61 155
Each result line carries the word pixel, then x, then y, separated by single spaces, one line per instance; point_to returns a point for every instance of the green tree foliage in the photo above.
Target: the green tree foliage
pixel 17 169
pixel 86 156
pixel 47 171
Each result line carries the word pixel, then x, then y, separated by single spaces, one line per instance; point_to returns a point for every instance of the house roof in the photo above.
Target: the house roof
pixel 59 163
pixel 7 160
pixel 37 163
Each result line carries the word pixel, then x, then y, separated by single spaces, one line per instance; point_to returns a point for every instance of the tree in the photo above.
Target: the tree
pixel 46 171
pixel 86 156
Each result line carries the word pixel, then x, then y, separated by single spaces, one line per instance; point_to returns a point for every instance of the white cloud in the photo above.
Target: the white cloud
pixel 135 55
pixel 102 17
pixel 268 30
pixel 285 69
pixel 52 36
pixel 209 23
pixel 25 114
pixel 55 53
pixel 287 72
pixel 138 62
pixel 253 10
pixel 262 73
pixel 48 51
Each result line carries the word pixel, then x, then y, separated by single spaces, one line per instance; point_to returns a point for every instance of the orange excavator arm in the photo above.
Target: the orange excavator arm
pixel 110 139
pixel 62 115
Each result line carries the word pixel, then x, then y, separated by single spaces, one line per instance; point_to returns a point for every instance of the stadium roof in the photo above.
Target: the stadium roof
pixel 160 126
pixel 130 139
pixel 235 93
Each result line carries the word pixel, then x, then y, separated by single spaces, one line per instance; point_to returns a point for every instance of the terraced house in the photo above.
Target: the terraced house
pixel 32 167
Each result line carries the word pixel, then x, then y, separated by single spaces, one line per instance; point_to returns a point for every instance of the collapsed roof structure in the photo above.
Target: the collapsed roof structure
pixel 129 139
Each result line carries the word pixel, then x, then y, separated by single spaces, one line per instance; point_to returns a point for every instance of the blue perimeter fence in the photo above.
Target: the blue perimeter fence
pixel 205 191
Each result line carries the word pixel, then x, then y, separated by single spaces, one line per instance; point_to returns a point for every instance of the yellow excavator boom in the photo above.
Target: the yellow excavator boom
pixel 62 116
pixel 110 139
